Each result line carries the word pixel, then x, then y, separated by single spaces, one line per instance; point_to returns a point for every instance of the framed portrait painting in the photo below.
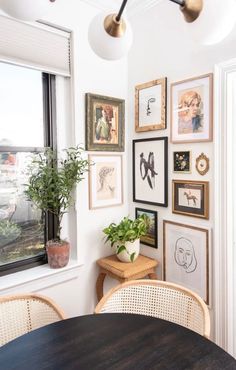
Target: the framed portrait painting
pixel 186 257
pixel 182 161
pixel 151 237
pixel 150 171
pixel 191 198
pixel 105 181
pixel 150 106
pixel 191 110
pixel 105 120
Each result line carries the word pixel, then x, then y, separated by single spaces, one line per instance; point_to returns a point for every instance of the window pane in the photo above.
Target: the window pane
pixel 21 225
pixel 21 102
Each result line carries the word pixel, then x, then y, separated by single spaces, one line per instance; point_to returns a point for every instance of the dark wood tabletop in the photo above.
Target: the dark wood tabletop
pixel 113 341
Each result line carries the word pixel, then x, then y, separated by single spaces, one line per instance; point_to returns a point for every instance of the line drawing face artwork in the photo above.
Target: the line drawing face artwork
pixel 147 169
pixel 184 255
pixel 106 182
pixel 150 100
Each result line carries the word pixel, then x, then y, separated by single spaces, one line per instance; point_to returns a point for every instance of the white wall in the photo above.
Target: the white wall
pixel 94 75
pixel 163 48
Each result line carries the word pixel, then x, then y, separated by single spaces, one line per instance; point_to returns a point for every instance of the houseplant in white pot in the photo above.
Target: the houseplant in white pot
pixel 50 188
pixel 125 237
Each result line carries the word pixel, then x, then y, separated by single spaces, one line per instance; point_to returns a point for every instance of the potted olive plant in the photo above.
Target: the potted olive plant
pixel 50 186
pixel 125 237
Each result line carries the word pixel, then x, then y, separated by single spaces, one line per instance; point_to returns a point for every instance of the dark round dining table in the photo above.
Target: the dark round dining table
pixel 113 341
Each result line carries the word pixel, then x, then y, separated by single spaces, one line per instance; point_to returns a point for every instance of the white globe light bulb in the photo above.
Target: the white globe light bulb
pixel 106 46
pixel 26 10
pixel 215 22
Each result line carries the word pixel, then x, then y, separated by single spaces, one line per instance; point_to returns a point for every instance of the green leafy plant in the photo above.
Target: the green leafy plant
pixel 9 231
pixel 126 231
pixel 52 180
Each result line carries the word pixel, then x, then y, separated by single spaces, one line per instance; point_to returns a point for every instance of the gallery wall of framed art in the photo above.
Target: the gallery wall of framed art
pixel 183 194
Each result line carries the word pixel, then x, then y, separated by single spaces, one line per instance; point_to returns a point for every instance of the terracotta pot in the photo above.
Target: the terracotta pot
pixel 58 253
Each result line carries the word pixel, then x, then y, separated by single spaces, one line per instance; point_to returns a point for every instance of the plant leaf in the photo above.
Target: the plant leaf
pixel 120 249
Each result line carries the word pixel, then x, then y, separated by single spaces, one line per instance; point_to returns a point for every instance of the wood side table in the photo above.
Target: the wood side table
pixel 121 271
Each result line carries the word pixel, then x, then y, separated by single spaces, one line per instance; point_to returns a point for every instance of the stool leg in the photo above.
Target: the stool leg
pixel 99 285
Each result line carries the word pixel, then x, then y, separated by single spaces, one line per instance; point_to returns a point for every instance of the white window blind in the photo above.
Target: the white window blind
pixel 41 47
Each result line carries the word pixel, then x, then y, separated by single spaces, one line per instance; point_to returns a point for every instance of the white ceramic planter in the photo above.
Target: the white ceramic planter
pixel 131 247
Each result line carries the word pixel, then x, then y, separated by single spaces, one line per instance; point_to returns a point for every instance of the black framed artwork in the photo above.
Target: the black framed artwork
pixel 150 171
pixel 151 237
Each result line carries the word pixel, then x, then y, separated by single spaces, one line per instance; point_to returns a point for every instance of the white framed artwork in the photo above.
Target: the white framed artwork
pixel 105 181
pixel 186 257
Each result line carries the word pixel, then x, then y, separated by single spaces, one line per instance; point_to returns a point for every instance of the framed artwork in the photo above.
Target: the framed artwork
pixel 105 181
pixel 151 237
pixel 105 119
pixel 191 110
pixel 150 106
pixel 202 164
pixel 186 257
pixel 150 171
pixel 182 162
pixel 191 198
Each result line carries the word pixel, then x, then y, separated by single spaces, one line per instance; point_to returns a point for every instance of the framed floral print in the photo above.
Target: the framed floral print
pixel 150 171
pixel 191 110
pixel 105 120
pixel 151 237
pixel 182 162
pixel 105 181
pixel 150 106
pixel 191 198
pixel 186 257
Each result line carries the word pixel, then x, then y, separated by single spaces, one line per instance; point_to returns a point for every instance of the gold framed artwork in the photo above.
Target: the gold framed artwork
pixel 192 110
pixel 191 198
pixel 150 106
pixel 105 181
pixel 186 257
pixel 105 120
pixel 202 164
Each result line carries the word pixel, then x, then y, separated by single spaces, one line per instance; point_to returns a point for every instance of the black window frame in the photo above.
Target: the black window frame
pixel 49 110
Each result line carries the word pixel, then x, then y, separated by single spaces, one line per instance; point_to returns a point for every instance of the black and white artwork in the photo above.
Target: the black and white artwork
pixel 186 257
pixel 150 105
pixel 150 171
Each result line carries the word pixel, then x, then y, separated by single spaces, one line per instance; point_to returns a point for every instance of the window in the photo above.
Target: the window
pixel 27 103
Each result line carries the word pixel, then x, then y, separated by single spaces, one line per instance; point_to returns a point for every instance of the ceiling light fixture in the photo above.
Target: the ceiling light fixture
pixel 210 21
pixel 26 10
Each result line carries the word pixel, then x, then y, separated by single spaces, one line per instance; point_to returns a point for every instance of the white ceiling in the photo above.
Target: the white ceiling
pixel 132 6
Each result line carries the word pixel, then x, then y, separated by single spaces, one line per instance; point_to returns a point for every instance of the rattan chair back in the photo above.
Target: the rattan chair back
pixel 158 299
pixel 23 313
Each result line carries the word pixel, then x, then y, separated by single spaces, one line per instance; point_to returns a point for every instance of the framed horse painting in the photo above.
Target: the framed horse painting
pixel 191 198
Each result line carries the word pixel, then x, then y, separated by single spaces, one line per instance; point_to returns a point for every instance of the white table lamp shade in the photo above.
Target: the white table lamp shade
pixel 106 46
pixel 26 10
pixel 214 24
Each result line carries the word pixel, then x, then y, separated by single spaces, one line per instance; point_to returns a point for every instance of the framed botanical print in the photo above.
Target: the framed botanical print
pixel 105 181
pixel 191 110
pixel 105 120
pixel 191 198
pixel 182 161
pixel 151 237
pixel 150 171
pixel 150 106
pixel 186 257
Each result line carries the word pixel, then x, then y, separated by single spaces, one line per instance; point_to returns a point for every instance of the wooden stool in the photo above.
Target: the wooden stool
pixel 111 266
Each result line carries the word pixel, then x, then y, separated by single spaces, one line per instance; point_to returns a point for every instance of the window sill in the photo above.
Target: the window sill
pixel 38 278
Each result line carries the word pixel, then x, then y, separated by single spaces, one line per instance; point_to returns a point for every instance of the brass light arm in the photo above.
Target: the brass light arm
pixel 191 9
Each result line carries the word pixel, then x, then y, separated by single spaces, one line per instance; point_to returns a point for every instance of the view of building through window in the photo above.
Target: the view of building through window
pixel 24 130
